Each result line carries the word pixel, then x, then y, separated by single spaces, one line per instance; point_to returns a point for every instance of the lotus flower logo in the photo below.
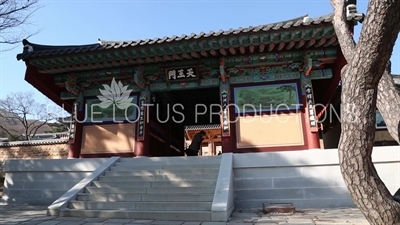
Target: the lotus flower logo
pixel 115 94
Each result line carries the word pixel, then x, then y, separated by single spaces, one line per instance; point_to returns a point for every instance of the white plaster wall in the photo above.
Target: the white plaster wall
pixel 308 179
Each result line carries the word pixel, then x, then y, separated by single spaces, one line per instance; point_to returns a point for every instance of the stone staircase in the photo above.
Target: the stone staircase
pixel 158 188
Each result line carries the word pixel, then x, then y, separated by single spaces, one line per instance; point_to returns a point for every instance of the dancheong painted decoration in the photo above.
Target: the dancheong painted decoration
pixel 256 86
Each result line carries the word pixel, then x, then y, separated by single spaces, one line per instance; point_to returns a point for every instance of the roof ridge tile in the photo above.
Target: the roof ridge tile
pixel 31 49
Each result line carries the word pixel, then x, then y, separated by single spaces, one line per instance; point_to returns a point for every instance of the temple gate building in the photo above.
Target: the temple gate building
pixel 264 88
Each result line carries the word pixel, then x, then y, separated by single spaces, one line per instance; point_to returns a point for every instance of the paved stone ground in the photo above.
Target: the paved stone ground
pixel 17 214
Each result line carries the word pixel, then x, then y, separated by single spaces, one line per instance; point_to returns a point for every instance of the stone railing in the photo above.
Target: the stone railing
pixel 37 149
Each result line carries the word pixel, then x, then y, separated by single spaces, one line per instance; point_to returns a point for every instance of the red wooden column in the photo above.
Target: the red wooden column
pixel 167 138
pixel 143 125
pixel 76 131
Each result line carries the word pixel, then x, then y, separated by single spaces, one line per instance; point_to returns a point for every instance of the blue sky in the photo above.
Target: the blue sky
pixel 71 22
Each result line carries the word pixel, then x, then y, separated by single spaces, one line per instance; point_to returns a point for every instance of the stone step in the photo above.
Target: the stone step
pixel 146 184
pixel 179 160
pixel 186 177
pixel 118 171
pixel 181 197
pixel 152 190
pixel 147 215
pixel 141 206
pixel 164 167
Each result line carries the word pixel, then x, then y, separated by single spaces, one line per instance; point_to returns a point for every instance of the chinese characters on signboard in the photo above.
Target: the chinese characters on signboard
pixel 181 74
pixel 72 127
pixel 225 114
pixel 310 107
pixel 141 121
pixel 72 131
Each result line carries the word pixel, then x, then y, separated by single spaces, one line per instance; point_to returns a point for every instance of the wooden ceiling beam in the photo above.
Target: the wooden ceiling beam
pixel 149 60
pixel 290 45
pixel 186 56
pixel 261 48
pixel 223 52
pixel 320 42
pixel 204 53
pixel 213 53
pixel 332 40
pixel 242 50
pixel 167 57
pixel 175 56
pixel 202 44
pixel 294 34
pixel 327 60
pixel 300 44
pixel 316 32
pixel 310 43
pixel 251 49
pixel 264 64
pixel 195 55
pixel 280 46
pixel 123 62
pixel 232 51
pixel 271 47
pixel 214 140
pixel 158 59
pixel 213 135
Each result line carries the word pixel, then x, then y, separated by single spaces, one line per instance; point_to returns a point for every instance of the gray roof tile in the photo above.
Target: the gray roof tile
pixel 34 142
pixel 203 127
pixel 39 50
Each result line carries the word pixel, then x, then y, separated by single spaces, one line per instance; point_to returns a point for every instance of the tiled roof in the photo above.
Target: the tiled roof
pixel 34 50
pixel 203 127
pixel 34 142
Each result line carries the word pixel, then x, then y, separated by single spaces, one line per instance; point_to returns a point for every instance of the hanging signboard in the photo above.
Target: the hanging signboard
pixel 141 121
pixel 225 113
pixel 182 74
pixel 72 127
pixel 311 109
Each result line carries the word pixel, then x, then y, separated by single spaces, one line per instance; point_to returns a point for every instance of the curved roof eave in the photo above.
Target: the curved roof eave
pixel 36 50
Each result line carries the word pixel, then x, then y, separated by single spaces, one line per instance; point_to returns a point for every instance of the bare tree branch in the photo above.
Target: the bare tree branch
pixel 21 109
pixel 380 41
pixel 13 135
pixel 14 17
pixel 342 29
pixel 388 104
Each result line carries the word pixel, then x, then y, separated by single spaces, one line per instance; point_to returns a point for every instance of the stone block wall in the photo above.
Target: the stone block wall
pixel 308 179
pixel 42 181
pixel 40 149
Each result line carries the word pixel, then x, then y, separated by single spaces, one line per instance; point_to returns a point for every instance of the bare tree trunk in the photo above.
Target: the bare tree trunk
pixel 355 148
pixel 388 103
pixel 360 77
pixel 388 100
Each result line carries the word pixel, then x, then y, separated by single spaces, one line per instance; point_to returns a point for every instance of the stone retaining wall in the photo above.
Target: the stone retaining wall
pixel 40 149
pixel 308 179
pixel 42 181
